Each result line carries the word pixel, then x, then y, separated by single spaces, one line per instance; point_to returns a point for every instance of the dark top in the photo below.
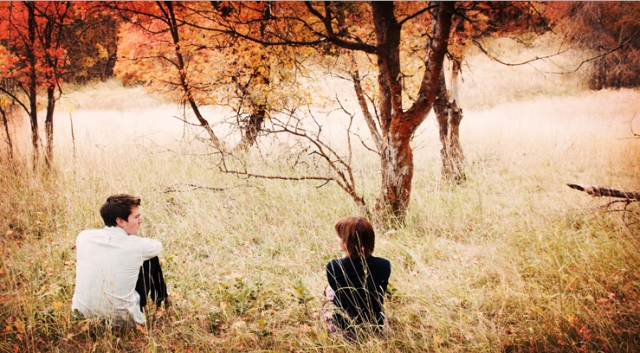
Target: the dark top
pixel 359 288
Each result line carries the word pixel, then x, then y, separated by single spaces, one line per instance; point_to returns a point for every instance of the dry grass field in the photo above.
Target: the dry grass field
pixel 512 260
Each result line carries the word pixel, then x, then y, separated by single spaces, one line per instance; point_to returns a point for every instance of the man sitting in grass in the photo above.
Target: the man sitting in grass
pixel 116 269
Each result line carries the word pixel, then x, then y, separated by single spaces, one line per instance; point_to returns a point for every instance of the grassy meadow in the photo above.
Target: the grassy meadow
pixel 512 260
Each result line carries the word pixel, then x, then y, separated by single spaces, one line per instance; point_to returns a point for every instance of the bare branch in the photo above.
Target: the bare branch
pixel 15 99
pixel 418 13
pixel 277 177
pixel 290 124
pixel 364 107
pixel 635 134
pixel 182 187
pixel 536 58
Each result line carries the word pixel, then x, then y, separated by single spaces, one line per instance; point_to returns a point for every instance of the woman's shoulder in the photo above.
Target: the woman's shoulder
pixel 378 262
pixel 343 264
pixel 333 263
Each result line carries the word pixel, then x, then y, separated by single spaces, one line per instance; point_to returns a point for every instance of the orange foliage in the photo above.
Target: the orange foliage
pixel 219 69
pixel 610 32
pixel 48 53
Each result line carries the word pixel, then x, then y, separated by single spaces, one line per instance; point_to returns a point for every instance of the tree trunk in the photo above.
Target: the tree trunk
pixel 6 130
pixel 397 125
pixel 397 173
pixel 184 82
pixel 50 42
pixel 48 125
pixel 252 128
pixel 449 116
pixel 73 139
pixel 33 104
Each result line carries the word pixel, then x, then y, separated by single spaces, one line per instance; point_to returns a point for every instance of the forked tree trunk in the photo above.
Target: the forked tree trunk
pixel 396 124
pixel 252 128
pixel 455 117
pixel 449 116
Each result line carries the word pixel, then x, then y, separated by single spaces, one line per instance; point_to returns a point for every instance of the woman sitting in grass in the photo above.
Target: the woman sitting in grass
pixel 357 282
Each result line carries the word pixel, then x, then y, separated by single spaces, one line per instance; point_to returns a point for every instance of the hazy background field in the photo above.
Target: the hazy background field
pixel 512 260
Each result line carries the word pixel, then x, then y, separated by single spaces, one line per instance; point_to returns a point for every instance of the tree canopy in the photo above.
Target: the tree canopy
pixel 610 33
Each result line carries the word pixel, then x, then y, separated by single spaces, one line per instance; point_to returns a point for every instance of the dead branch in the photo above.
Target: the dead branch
pixel 606 51
pixel 603 191
pixel 623 205
pixel 182 187
pixel 486 52
pixel 371 123
pixel 635 134
pixel 277 177
pixel 339 166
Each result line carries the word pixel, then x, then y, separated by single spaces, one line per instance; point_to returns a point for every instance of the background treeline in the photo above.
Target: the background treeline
pixel 256 59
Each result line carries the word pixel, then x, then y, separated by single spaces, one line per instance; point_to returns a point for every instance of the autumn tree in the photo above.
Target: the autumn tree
pixel 609 33
pixel 400 47
pixel 177 48
pixel 91 44
pixel 374 29
pixel 474 23
pixel 189 37
pixel 156 52
pixel 34 58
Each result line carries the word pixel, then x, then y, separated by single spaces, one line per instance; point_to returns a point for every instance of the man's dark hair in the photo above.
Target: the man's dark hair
pixel 357 235
pixel 118 206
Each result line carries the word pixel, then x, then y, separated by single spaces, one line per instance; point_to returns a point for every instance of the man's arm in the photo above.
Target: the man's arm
pixel 149 248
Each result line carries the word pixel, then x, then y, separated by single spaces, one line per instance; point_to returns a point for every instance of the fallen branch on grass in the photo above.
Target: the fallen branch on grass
pixel 191 187
pixel 603 191
pixel 630 215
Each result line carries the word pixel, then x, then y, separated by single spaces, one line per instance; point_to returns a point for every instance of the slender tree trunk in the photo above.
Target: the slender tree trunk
pixel 252 128
pixel 7 133
pixel 73 139
pixel 48 125
pixel 48 42
pixel 196 110
pixel 33 104
pixel 364 107
pixel 441 110
pixel 598 79
pixel 449 116
pixel 455 117
pixel 253 125
pixel 184 82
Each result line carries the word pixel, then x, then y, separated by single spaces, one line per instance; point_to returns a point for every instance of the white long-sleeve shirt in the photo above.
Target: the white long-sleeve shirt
pixel 107 267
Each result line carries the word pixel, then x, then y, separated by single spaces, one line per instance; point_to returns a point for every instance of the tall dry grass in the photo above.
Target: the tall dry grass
pixel 512 260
